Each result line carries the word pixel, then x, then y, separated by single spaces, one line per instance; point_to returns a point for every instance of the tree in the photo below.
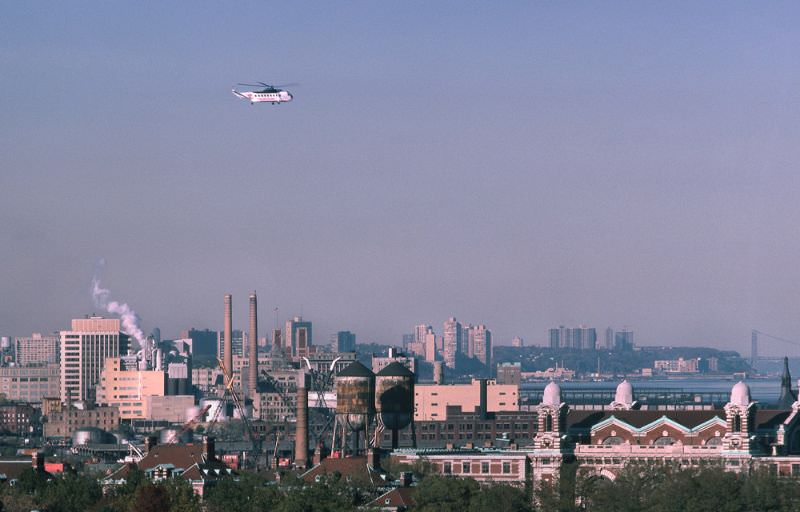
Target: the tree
pixel 151 498
pixel 499 497
pixel 445 494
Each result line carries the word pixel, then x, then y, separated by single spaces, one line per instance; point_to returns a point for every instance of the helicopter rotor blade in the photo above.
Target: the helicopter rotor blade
pixel 250 85
pixel 293 84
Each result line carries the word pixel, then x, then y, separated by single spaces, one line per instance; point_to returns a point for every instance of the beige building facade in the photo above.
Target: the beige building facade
pixel 431 400
pixel 84 350
pixel 128 389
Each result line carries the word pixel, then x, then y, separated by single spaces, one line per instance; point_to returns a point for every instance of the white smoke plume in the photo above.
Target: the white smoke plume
pixel 128 317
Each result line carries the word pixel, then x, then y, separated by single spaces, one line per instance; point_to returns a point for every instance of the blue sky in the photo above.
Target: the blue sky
pixel 521 165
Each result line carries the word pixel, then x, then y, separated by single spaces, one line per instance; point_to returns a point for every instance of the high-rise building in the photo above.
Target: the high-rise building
pixel 584 338
pixel 452 341
pixel 298 336
pixel 609 338
pixel 483 345
pixel 420 331
pixel 238 342
pixel 126 389
pixel 623 340
pixel 84 350
pixel 517 342
pixel 204 343
pixel 431 341
pixel 227 336
pixel 36 350
pixel 468 340
pixel 408 339
pixel 345 341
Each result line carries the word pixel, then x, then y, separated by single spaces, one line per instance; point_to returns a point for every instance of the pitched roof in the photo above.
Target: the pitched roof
pixel 356 369
pixel 638 419
pixel 768 418
pixel 354 468
pixel 395 498
pixel 395 369
pixel 11 469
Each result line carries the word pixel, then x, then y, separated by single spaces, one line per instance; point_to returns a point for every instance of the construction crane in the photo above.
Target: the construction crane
pixel 189 424
pixel 231 392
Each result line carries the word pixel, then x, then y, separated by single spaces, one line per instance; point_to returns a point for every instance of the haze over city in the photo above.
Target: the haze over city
pixel 521 165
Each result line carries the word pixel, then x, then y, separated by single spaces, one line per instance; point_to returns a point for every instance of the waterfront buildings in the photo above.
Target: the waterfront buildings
pixel 84 350
pixel 517 342
pixel 579 338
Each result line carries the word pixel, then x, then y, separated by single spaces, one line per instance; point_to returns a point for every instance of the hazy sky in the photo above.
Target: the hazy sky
pixel 521 165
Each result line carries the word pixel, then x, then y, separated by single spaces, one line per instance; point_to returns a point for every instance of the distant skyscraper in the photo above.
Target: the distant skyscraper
pixel 580 338
pixel 623 340
pixel 419 333
pixel 584 338
pixel 204 343
pixel 468 340
pixel 238 339
pixel 345 341
pixel 298 336
pixel 609 338
pixel 408 339
pixel 452 341
pixel 430 343
pixel 482 340
pixel 517 342
pixel 84 350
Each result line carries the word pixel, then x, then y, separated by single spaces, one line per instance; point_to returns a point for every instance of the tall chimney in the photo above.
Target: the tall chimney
pixel 301 431
pixel 252 342
pixel 227 354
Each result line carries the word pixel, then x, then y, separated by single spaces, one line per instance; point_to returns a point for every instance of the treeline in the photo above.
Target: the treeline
pixel 669 488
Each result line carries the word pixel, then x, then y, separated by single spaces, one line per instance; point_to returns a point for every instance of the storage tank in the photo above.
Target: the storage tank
pixel 89 435
pixel 355 396
pixel 174 435
pixel 394 398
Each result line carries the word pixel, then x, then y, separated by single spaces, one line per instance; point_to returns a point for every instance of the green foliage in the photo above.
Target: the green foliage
pixel 445 494
pixel 708 488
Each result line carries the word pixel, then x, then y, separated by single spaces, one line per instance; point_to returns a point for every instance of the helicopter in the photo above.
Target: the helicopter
pixel 270 94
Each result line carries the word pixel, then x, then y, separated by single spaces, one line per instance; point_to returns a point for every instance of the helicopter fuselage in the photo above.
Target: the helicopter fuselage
pixel 278 96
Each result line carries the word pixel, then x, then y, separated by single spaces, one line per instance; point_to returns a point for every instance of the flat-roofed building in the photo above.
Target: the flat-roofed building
pixel 30 383
pixel 84 350
pixel 431 400
pixel 36 349
pixel 170 408
pixel 63 423
pixel 127 389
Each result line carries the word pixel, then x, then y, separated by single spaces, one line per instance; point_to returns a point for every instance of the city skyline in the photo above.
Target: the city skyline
pixel 522 166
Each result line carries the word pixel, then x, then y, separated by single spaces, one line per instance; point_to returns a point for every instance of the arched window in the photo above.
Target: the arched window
pixel 737 423
pixel 548 423
pixel 714 441
pixel 612 441
pixel 664 441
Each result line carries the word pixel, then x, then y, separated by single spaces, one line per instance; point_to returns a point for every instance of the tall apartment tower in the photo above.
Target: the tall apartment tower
pixel 420 331
pixel 36 350
pixel 468 340
pixel 482 340
pixel 517 342
pixel 609 338
pixel 252 347
pixel 452 341
pixel 227 339
pixel 84 350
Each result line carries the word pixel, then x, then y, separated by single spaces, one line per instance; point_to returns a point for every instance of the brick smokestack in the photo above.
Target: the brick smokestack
pixel 227 347
pixel 252 344
pixel 301 431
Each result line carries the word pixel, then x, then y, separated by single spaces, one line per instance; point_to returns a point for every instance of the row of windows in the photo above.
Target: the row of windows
pixel 466 467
